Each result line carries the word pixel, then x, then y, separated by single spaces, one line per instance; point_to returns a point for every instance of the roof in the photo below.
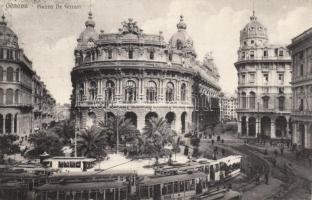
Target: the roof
pixel 70 158
pixel 81 186
pixel 94 173
pixel 166 179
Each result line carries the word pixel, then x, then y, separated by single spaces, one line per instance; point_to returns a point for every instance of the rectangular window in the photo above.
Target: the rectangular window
pixel 130 54
pixel 301 69
pixel 281 53
pixel 281 77
pixel 265 53
pixel 243 79
pixel 275 52
pixel 266 78
pixel 252 78
pixel 110 54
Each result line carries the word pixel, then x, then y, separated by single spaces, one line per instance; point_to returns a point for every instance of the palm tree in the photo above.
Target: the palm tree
pixel 126 130
pixel 65 130
pixel 91 143
pixel 156 134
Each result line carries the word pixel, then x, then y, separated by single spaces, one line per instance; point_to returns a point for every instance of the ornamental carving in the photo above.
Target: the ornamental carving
pixel 130 26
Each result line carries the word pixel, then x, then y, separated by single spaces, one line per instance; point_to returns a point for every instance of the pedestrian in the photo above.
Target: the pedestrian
pixel 282 150
pixel 266 176
pixel 222 141
pixel 275 152
pixel 212 142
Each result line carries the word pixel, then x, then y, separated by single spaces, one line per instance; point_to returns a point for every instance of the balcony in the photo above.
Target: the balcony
pixel 306 77
pixel 306 113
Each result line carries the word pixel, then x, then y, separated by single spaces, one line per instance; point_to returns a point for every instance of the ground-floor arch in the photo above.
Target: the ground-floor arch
pixel 132 117
pixel 252 126
pixel 150 116
pixel 244 126
pixel 281 126
pixel 265 126
pixel 302 134
pixel 91 119
pixel 170 117
pixel 183 122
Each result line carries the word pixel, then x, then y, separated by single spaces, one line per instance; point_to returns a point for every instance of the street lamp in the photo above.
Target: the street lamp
pixel 258 134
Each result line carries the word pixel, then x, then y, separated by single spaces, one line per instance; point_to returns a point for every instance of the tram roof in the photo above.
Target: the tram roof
pixel 153 180
pixel 81 186
pixel 60 158
pixel 94 173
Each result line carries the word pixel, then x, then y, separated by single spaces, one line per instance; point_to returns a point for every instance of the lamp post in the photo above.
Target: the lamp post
pixel 258 134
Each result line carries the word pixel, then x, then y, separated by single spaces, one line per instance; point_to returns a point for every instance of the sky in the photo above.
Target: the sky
pixel 49 36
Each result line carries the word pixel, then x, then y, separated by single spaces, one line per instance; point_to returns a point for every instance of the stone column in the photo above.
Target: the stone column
pixel 306 136
pixel 257 126
pixel 12 124
pixel 273 128
pixel 247 127
pixel 178 124
pixel 239 128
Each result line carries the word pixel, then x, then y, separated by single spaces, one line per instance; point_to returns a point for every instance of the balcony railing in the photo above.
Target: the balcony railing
pixel 302 113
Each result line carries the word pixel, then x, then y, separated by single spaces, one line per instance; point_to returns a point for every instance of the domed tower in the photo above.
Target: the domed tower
pixel 89 35
pixel 254 34
pixel 264 74
pixel 181 43
pixel 7 37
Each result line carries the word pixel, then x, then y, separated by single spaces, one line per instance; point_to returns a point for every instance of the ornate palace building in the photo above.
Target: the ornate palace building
pixel 18 83
pixel 264 91
pixel 140 76
pixel 301 52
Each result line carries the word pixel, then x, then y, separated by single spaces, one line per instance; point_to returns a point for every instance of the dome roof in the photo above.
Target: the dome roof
pixel 254 29
pixel 7 36
pixel 89 34
pixel 181 40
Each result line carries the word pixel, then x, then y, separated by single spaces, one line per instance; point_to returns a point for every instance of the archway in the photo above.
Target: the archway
pixel 133 118
pixel 8 123
pixel 266 126
pixel 252 126
pixel 302 134
pixel 170 117
pixel 1 123
pixel 183 121
pixel 150 116
pixel 244 126
pixel 281 126
pixel 91 119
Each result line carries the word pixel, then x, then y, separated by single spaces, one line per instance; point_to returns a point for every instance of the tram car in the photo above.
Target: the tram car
pixel 230 166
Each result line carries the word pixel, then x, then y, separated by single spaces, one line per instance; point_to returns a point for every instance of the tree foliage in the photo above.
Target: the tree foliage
pixel 65 130
pixel 8 144
pixel 45 141
pixel 126 130
pixel 91 142
pixel 156 134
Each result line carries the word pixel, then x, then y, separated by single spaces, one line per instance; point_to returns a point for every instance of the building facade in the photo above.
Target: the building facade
pixel 228 106
pixel 301 53
pixel 17 83
pixel 264 91
pixel 141 76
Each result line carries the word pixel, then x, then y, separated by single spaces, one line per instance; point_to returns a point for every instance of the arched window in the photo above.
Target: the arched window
pixel 179 44
pixel 170 57
pixel 9 96
pixel 93 90
pixel 152 55
pixel 110 91
pixel 110 54
pixel 170 92
pixel 151 92
pixel 130 91
pixel 183 92
pixel 17 75
pixel 8 123
pixel 81 91
pixel 265 102
pixel 244 100
pixel 16 96
pixel 252 100
pixel 9 74
pixel 1 74
pixel 281 103
pixel 130 54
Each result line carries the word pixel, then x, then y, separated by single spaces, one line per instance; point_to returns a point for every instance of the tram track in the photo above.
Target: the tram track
pixel 290 181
